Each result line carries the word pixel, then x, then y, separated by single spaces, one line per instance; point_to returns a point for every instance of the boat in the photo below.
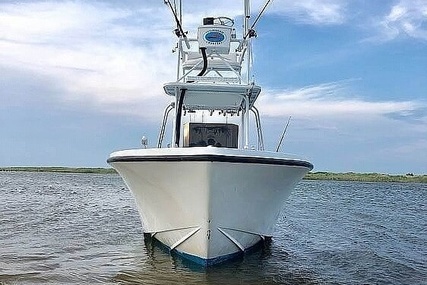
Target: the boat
pixel 213 192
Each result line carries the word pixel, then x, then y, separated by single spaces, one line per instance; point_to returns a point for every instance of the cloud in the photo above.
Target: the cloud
pixel 332 99
pixel 406 18
pixel 107 57
pixel 314 12
pixel 415 146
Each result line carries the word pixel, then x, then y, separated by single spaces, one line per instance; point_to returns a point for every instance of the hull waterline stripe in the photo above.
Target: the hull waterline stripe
pixel 212 158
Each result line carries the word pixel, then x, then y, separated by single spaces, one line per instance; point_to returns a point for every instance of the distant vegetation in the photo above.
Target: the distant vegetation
pixel 348 176
pixel 366 177
pixel 61 169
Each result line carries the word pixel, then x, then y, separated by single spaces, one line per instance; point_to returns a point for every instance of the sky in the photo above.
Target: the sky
pixel 81 79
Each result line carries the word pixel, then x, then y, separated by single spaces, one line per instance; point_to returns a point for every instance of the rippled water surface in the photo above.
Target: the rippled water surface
pixel 84 229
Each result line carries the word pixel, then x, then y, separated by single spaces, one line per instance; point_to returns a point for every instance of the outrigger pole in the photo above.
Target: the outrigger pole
pixel 179 30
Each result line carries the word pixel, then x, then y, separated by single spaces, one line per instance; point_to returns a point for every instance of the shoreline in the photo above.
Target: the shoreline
pixel 328 176
pixel 366 177
pixel 59 169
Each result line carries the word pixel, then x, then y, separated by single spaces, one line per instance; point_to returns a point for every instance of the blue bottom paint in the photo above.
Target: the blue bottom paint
pixel 207 262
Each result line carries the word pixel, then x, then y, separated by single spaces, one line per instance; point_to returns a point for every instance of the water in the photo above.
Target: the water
pixel 84 229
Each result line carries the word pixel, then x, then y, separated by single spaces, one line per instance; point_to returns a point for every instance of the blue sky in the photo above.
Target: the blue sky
pixel 80 79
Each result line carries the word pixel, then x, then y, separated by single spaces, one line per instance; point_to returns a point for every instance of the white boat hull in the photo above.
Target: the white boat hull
pixel 208 203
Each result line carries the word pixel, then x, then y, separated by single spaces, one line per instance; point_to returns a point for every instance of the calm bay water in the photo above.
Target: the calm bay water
pixel 84 229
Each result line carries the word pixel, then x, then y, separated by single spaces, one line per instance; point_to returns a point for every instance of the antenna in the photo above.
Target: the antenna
pixel 283 134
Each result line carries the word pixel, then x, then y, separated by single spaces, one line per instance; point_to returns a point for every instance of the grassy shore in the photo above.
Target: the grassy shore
pixel 348 176
pixel 366 177
pixel 98 170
